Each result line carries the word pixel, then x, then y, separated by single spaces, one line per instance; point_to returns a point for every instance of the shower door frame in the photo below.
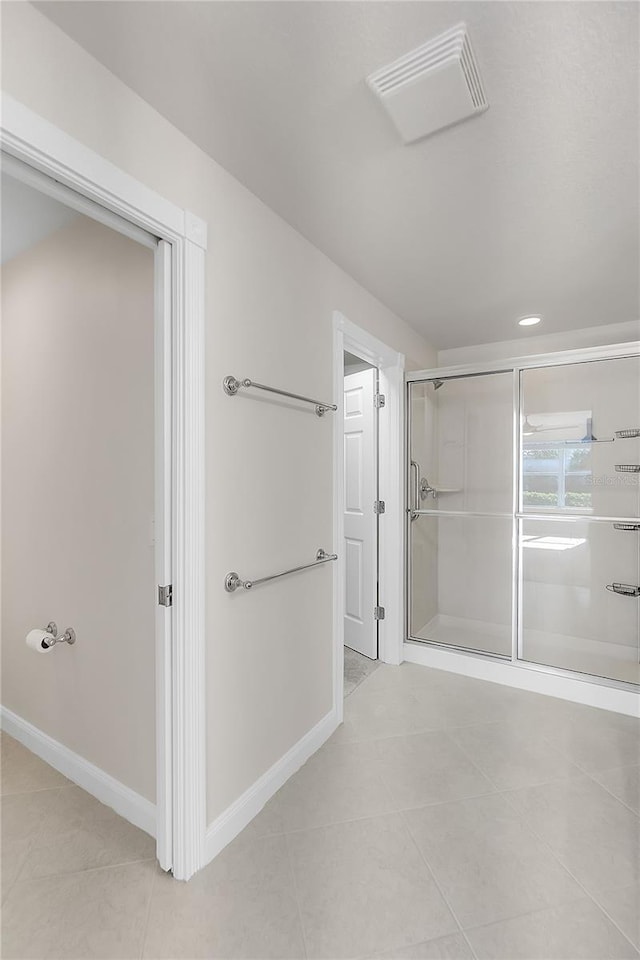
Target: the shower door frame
pixel 616 694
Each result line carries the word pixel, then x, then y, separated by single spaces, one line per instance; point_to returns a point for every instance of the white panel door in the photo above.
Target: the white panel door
pixel 360 522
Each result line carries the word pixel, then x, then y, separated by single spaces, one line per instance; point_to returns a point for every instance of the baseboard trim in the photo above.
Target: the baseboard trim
pixel 236 817
pixel 525 678
pixel 125 801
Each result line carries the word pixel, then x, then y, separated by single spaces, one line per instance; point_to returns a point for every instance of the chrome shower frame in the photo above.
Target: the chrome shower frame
pixel 514 366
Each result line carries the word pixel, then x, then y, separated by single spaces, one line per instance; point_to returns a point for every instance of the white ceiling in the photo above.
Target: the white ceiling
pixel 531 207
pixel 28 216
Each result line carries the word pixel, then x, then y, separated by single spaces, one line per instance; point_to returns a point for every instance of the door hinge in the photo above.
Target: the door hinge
pixel 379 400
pixel 165 595
pixel 379 506
pixel 378 613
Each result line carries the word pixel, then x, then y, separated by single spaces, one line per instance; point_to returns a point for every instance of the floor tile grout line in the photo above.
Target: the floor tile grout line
pixel 143 944
pixel 554 906
pixel 374 816
pixel 29 842
pixel 87 870
pixel 29 793
pixel 495 790
pixel 296 894
pixel 556 857
pixel 593 777
pixel 534 833
pixel 438 886
pixel 34 839
pixel 413 733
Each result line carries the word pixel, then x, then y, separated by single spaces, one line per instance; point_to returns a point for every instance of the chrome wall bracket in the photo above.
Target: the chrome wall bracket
pixel 69 636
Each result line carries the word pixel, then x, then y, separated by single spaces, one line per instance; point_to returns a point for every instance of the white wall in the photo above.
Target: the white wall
pixel 77 494
pixel 270 297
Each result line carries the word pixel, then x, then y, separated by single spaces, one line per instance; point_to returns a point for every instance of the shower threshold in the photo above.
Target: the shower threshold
pixel 596 658
pixel 478 635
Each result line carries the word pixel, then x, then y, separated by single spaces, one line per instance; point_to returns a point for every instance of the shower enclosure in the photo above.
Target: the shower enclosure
pixel 523 513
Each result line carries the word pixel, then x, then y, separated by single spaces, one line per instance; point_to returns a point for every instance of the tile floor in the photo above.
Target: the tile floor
pixel 356 669
pixel 447 818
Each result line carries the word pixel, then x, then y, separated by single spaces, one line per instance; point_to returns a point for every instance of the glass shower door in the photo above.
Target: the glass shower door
pixel 460 518
pixel 579 518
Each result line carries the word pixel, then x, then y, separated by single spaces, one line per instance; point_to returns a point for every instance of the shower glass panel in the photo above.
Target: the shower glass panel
pixel 580 557
pixel 571 616
pixel 571 453
pixel 461 582
pixel 460 511
pixel 462 443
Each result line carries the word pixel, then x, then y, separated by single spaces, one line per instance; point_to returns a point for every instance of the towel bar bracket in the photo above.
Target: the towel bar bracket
pixel 233 580
pixel 231 385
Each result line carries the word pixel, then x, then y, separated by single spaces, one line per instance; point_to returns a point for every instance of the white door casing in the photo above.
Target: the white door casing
pixel 390 367
pixel 180 395
pixel 360 522
pixel 163 548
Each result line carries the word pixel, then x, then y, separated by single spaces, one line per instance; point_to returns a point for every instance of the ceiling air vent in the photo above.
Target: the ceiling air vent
pixel 432 87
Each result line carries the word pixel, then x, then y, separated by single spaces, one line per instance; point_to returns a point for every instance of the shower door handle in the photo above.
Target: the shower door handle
pixel 416 489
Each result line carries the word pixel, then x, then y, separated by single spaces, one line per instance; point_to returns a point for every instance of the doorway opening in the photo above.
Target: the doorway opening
pixel 65 169
pixel 81 523
pixel 368 509
pixel 362 508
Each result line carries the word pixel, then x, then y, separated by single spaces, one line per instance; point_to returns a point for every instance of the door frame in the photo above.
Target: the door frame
pixel 390 364
pixel 179 467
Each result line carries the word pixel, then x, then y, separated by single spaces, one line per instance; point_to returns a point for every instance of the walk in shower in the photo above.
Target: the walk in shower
pixel 523 518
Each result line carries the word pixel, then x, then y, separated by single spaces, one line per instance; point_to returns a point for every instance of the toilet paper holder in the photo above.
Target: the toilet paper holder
pixel 69 636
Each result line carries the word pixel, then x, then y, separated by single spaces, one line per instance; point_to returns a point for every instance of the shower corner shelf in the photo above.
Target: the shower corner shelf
pixel 627 467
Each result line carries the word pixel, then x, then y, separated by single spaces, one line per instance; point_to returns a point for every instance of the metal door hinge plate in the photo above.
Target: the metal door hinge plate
pixel 378 613
pixel 379 400
pixel 379 506
pixel 165 595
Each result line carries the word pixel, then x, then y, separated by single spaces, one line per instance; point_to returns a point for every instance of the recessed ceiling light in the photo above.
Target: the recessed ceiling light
pixel 529 321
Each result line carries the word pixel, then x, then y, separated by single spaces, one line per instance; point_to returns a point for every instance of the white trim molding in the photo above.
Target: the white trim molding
pixel 236 817
pixel 347 336
pixel 181 697
pixel 523 677
pixel 131 805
